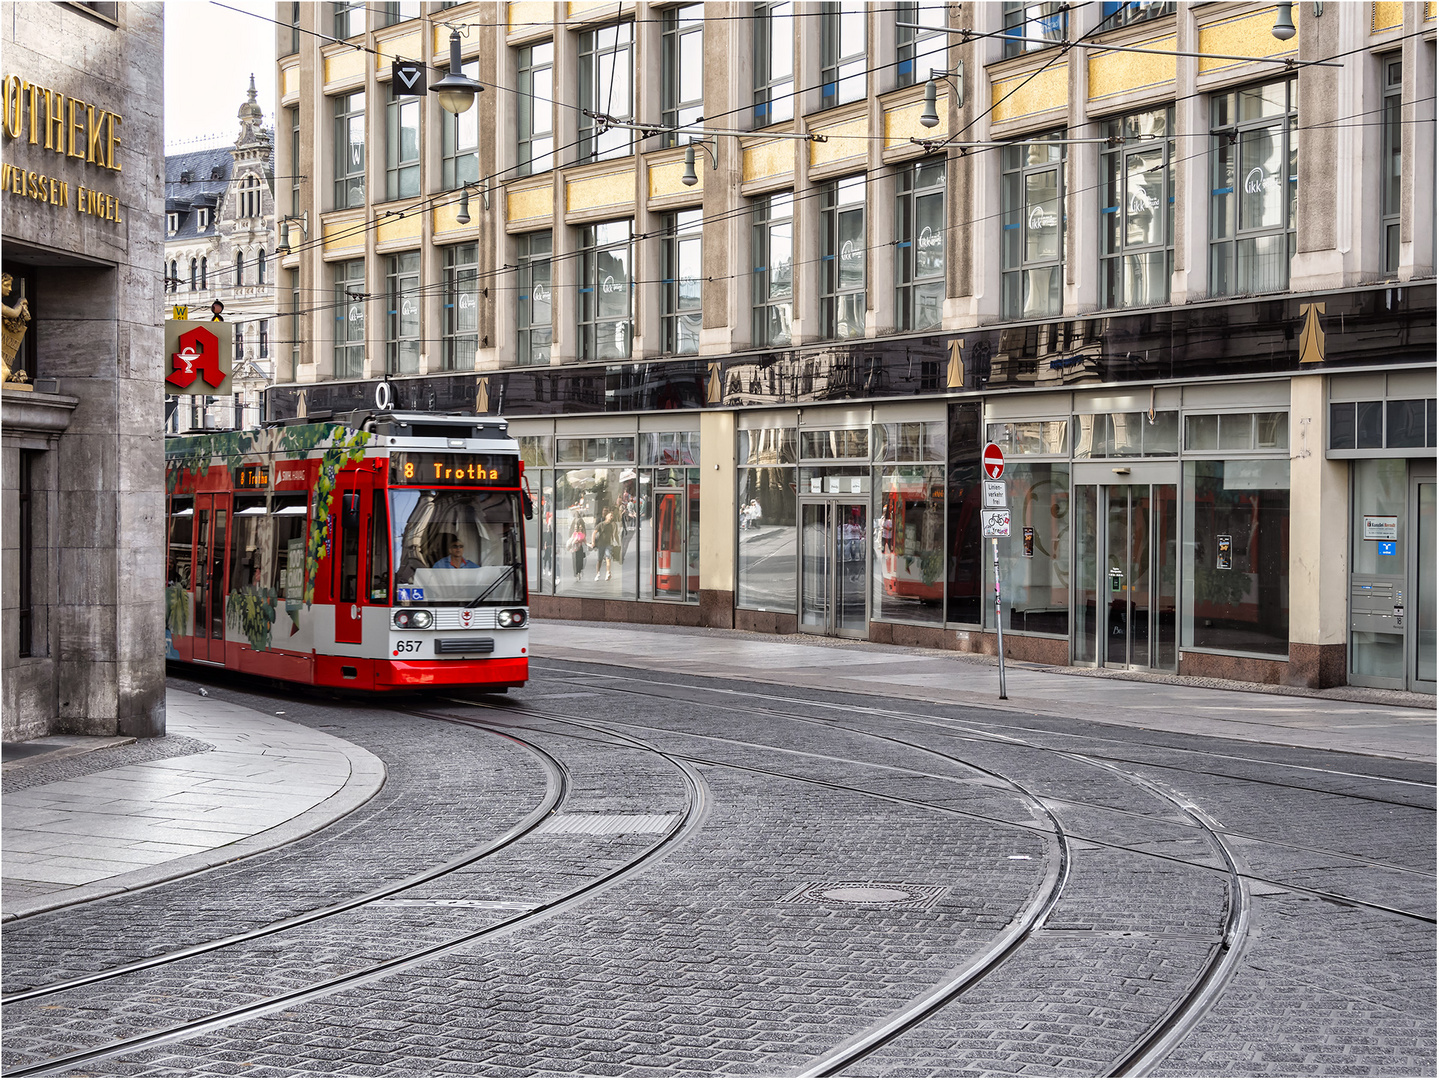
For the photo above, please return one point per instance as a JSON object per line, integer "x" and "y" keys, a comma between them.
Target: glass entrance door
{"x": 1125, "y": 602}
{"x": 1422, "y": 632}
{"x": 834, "y": 568}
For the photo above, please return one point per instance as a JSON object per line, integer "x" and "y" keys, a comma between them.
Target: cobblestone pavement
{"x": 1031, "y": 895}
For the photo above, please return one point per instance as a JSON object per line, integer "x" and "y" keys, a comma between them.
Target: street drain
{"x": 882, "y": 894}
{"x": 607, "y": 824}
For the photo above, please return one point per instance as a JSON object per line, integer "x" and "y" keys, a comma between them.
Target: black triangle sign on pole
{"x": 409, "y": 77}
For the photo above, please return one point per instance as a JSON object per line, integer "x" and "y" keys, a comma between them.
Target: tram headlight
{"x": 512, "y": 617}
{"x": 411, "y": 619}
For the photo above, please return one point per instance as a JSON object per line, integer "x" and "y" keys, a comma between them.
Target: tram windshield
{"x": 457, "y": 547}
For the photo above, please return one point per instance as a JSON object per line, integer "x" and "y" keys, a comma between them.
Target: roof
{"x": 194, "y": 179}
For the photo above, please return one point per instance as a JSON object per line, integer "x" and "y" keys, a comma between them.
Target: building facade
{"x": 755, "y": 307}
{"x": 83, "y": 464}
{"x": 220, "y": 245}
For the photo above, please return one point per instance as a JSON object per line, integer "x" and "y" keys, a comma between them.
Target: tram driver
{"x": 456, "y": 558}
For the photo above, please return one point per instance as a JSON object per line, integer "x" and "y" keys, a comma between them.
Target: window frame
{"x": 681, "y": 229}
{"x": 774, "y": 90}
{"x": 1231, "y": 137}
{"x": 1016, "y": 265}
{"x": 910, "y": 284}
{"x": 1391, "y": 161}
{"x": 1051, "y": 25}
{"x": 350, "y": 18}
{"x": 594, "y": 245}
{"x": 772, "y": 216}
{"x": 459, "y": 342}
{"x": 402, "y": 282}
{"x": 349, "y": 342}
{"x": 349, "y": 117}
{"x": 913, "y": 60}
{"x": 460, "y": 140}
{"x": 598, "y": 61}
{"x": 832, "y": 289}
{"x": 677, "y": 30}
{"x": 536, "y": 145}
{"x": 1114, "y": 175}
{"x": 533, "y": 253}
{"x": 843, "y": 75}
{"x": 1127, "y": 13}
{"x": 402, "y": 174}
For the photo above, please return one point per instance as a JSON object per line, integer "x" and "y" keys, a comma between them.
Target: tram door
{"x": 353, "y": 497}
{"x": 834, "y": 567}
{"x": 211, "y": 521}
{"x": 1125, "y": 603}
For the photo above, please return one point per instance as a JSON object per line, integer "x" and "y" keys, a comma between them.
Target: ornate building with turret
{"x": 219, "y": 245}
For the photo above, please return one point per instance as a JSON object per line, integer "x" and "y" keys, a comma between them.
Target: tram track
{"x": 685, "y": 824}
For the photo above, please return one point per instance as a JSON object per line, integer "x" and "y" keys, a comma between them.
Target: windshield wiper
{"x": 512, "y": 568}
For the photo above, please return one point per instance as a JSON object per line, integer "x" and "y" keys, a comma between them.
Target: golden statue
{"x": 16, "y": 322}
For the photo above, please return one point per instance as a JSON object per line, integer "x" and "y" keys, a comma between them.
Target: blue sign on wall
{"x": 1386, "y": 547}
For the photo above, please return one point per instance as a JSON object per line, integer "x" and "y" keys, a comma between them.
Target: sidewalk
{"x": 1354, "y": 720}
{"x": 262, "y": 783}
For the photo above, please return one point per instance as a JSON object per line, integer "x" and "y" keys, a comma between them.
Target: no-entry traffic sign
{"x": 993, "y": 461}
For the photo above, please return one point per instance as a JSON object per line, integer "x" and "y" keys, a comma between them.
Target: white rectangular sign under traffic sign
{"x": 995, "y": 522}
{"x": 994, "y": 496}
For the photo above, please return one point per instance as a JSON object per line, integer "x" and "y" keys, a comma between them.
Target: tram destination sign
{"x": 425, "y": 469}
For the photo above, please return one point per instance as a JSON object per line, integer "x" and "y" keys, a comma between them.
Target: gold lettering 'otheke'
{"x": 63, "y": 125}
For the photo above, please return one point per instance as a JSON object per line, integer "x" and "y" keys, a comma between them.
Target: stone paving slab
{"x": 265, "y": 782}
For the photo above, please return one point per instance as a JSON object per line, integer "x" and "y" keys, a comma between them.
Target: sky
{"x": 210, "y": 52}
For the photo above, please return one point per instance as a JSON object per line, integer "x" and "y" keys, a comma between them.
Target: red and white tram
{"x": 379, "y": 551}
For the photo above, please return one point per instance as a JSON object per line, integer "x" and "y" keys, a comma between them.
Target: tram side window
{"x": 288, "y": 540}
{"x": 249, "y": 562}
{"x": 349, "y": 548}
{"x": 379, "y": 552}
{"x": 181, "y": 543}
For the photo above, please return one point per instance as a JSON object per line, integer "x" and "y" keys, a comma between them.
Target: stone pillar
{"x": 1318, "y": 542}
{"x": 717, "y": 518}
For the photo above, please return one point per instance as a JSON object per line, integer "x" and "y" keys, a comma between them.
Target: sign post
{"x": 995, "y": 518}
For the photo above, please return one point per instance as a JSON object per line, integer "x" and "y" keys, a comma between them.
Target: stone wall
{"x": 98, "y": 663}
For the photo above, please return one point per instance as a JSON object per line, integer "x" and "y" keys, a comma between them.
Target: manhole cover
{"x": 883, "y": 894}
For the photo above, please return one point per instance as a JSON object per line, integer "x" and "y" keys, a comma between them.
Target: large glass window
{"x": 842, "y": 49}
{"x": 402, "y": 301}
{"x": 1236, "y": 556}
{"x": 1136, "y": 215}
{"x": 964, "y": 553}
{"x": 920, "y": 51}
{"x": 842, "y": 258}
{"x": 349, "y": 319}
{"x": 1034, "y": 563}
{"x": 461, "y": 307}
{"x": 1033, "y": 228}
{"x": 1029, "y": 26}
{"x": 1125, "y": 12}
{"x": 772, "y": 251}
{"x": 429, "y": 529}
{"x": 537, "y": 123}
{"x": 460, "y": 140}
{"x": 606, "y": 291}
{"x": 402, "y": 146}
{"x": 533, "y": 297}
{"x": 919, "y": 221}
{"x": 1254, "y": 186}
{"x": 607, "y": 89}
{"x": 293, "y": 21}
{"x": 773, "y": 63}
{"x": 350, "y": 150}
{"x": 683, "y": 278}
{"x": 1393, "y": 159}
{"x": 768, "y": 560}
{"x": 350, "y": 18}
{"x": 293, "y": 116}
{"x": 596, "y": 515}
{"x": 909, "y": 525}
{"x": 683, "y": 76}
{"x": 294, "y": 276}
{"x": 393, "y": 11}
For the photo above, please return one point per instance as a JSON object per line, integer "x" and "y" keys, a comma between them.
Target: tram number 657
{"x": 406, "y": 646}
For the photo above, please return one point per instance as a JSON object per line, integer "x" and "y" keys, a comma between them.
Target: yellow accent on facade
{"x": 665, "y": 176}
{"x": 344, "y": 237}
{"x": 525, "y": 16}
{"x": 1030, "y": 93}
{"x": 607, "y": 189}
{"x": 399, "y": 228}
{"x": 442, "y": 218}
{"x": 401, "y": 48}
{"x": 1430, "y": 11}
{"x": 1387, "y": 15}
{"x": 344, "y": 66}
{"x": 527, "y": 204}
{"x": 1248, "y": 35}
{"x": 902, "y": 122}
{"x": 1118, "y": 72}
{"x": 847, "y": 140}
{"x": 289, "y": 81}
{"x": 766, "y": 160}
